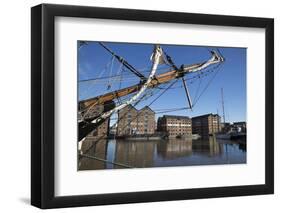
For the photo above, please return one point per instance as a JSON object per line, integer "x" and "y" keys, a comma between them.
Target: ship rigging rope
{"x": 130, "y": 75}
{"x": 117, "y": 77}
{"x": 165, "y": 90}
{"x": 198, "y": 76}
{"x": 105, "y": 161}
{"x": 145, "y": 96}
{"x": 109, "y": 80}
{"x": 196, "y": 97}
{"x": 190, "y": 80}
{"x": 161, "y": 111}
{"x": 115, "y": 124}
{"x": 194, "y": 78}
{"x": 164, "y": 111}
{"x": 110, "y": 74}
{"x": 208, "y": 84}
{"x": 156, "y": 60}
{"x": 199, "y": 85}
{"x": 106, "y": 66}
{"x": 138, "y": 113}
{"x": 91, "y": 84}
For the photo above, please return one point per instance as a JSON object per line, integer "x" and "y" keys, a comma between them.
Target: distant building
{"x": 146, "y": 121}
{"x": 174, "y": 126}
{"x": 127, "y": 121}
{"x": 135, "y": 122}
{"x": 206, "y": 125}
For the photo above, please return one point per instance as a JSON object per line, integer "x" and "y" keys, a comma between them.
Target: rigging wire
{"x": 106, "y": 66}
{"x": 200, "y": 75}
{"x": 197, "y": 95}
{"x": 198, "y": 88}
{"x": 165, "y": 111}
{"x": 172, "y": 110}
{"x": 118, "y": 78}
{"x": 163, "y": 92}
{"x": 196, "y": 77}
{"x": 91, "y": 84}
{"x": 208, "y": 84}
{"x": 124, "y": 62}
{"x": 138, "y": 113}
{"x": 110, "y": 74}
{"x": 117, "y": 75}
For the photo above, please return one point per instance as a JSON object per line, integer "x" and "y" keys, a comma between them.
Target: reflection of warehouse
{"x": 175, "y": 125}
{"x": 210, "y": 147}
{"x": 175, "y": 148}
{"x": 206, "y": 125}
{"x": 133, "y": 122}
{"x": 98, "y": 149}
{"x": 135, "y": 154}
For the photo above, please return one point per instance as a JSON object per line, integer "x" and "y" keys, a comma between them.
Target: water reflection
{"x": 175, "y": 148}
{"x": 177, "y": 152}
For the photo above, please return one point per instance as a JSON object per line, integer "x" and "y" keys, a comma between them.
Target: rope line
{"x": 106, "y": 161}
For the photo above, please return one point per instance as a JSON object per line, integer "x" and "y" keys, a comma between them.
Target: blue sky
{"x": 95, "y": 62}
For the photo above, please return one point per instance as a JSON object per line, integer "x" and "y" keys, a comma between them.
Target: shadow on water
{"x": 174, "y": 152}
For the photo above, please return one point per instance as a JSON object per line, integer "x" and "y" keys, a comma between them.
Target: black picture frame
{"x": 43, "y": 105}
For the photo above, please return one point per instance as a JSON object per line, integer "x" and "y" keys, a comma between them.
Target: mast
{"x": 222, "y": 102}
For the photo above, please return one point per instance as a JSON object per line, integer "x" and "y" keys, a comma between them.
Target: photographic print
{"x": 197, "y": 100}
{"x": 151, "y": 105}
